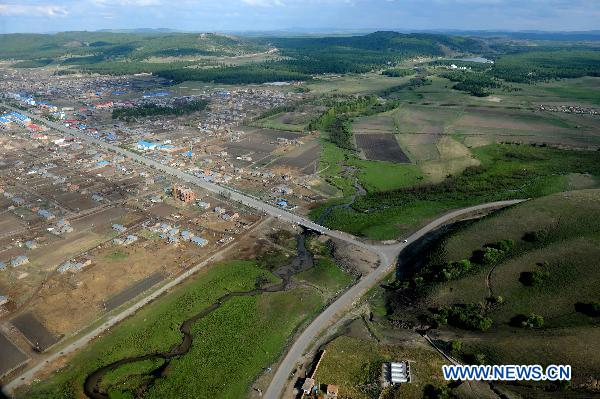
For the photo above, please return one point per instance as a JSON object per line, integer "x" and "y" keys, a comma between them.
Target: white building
{"x": 399, "y": 372}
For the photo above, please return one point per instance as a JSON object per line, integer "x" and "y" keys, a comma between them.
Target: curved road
{"x": 387, "y": 254}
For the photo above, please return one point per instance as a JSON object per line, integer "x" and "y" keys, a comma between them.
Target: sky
{"x": 267, "y": 15}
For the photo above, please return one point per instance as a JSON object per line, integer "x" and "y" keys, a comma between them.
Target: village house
{"x": 230, "y": 215}
{"x": 19, "y": 261}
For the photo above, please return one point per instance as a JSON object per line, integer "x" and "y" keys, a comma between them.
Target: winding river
{"x": 302, "y": 261}
{"x": 360, "y": 191}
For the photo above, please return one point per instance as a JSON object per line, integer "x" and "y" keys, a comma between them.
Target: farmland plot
{"x": 381, "y": 147}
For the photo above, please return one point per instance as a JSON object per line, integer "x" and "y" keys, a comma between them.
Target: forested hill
{"x": 295, "y": 59}
{"x": 111, "y": 45}
{"x": 387, "y": 41}
{"x": 212, "y": 57}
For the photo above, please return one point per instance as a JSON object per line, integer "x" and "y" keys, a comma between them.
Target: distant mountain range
{"x": 592, "y": 35}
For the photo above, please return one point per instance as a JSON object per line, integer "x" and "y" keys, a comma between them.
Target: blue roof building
{"x": 45, "y": 214}
{"x": 186, "y": 235}
{"x": 201, "y": 242}
{"x": 157, "y": 94}
{"x": 19, "y": 261}
{"x": 20, "y": 117}
{"x": 119, "y": 227}
{"x": 146, "y": 145}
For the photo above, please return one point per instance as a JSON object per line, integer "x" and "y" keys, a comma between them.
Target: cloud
{"x": 135, "y": 3}
{"x": 13, "y": 10}
{"x": 263, "y": 3}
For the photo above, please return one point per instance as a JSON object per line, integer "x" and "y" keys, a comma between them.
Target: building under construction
{"x": 184, "y": 194}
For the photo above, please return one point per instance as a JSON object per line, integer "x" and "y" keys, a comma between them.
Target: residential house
{"x": 201, "y": 242}
{"x": 19, "y": 261}
{"x": 119, "y": 227}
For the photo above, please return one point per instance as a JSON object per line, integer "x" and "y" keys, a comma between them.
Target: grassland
{"x": 232, "y": 344}
{"x": 506, "y": 172}
{"x": 326, "y": 274}
{"x": 384, "y": 176}
{"x": 363, "y": 84}
{"x": 566, "y": 251}
{"x": 355, "y": 366}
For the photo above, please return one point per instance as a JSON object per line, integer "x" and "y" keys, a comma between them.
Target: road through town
{"x": 29, "y": 375}
{"x": 387, "y": 253}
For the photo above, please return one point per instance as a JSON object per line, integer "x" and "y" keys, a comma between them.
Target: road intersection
{"x": 387, "y": 253}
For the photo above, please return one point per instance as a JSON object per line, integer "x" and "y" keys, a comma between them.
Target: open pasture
{"x": 566, "y": 251}
{"x": 294, "y": 121}
{"x": 363, "y": 84}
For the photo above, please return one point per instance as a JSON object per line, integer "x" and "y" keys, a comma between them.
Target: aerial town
{"x": 72, "y": 211}
{"x": 327, "y": 214}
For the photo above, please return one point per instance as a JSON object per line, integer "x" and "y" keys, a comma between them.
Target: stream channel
{"x": 303, "y": 261}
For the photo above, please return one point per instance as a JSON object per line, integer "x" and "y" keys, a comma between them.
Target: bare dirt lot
{"x": 381, "y": 147}
{"x": 9, "y": 223}
{"x": 34, "y": 331}
{"x": 134, "y": 290}
{"x": 10, "y": 355}
{"x": 304, "y": 158}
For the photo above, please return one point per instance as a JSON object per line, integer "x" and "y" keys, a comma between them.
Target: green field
{"x": 232, "y": 344}
{"x": 235, "y": 343}
{"x": 564, "y": 252}
{"x": 326, "y": 274}
{"x": 506, "y": 172}
{"x": 377, "y": 176}
{"x": 355, "y": 366}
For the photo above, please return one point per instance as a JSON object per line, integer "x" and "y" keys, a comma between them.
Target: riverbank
{"x": 216, "y": 333}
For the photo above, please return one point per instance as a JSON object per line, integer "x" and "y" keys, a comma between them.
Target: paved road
{"x": 348, "y": 299}
{"x": 387, "y": 253}
{"x": 233, "y": 194}
{"x": 28, "y": 376}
